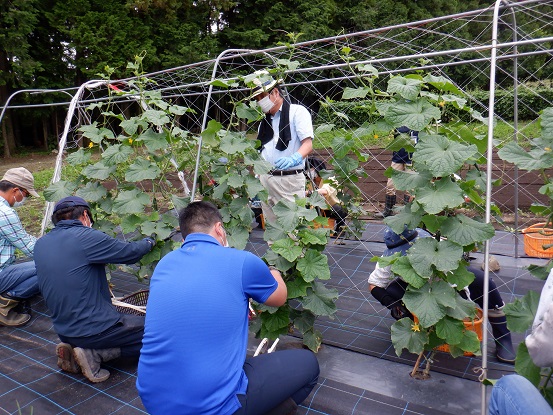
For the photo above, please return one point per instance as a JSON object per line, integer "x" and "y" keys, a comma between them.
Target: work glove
{"x": 284, "y": 163}
{"x": 399, "y": 311}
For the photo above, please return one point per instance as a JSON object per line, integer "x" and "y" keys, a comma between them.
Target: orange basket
{"x": 535, "y": 237}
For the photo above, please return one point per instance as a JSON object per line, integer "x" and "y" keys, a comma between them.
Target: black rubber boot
{"x": 388, "y": 208}
{"x": 503, "y": 343}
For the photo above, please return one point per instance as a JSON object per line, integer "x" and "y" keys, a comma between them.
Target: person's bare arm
{"x": 278, "y": 297}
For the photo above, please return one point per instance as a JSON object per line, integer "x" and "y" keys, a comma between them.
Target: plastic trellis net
{"x": 456, "y": 47}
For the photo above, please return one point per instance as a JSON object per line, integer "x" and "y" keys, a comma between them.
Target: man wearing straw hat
{"x": 17, "y": 281}
{"x": 70, "y": 262}
{"x": 286, "y": 136}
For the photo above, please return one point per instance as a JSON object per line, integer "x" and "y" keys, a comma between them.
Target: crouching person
{"x": 389, "y": 291}
{"x": 70, "y": 262}
{"x": 194, "y": 356}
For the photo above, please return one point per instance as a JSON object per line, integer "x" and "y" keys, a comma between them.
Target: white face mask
{"x": 225, "y": 242}
{"x": 20, "y": 203}
{"x": 265, "y": 104}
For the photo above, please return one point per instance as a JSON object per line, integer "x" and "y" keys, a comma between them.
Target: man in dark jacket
{"x": 70, "y": 262}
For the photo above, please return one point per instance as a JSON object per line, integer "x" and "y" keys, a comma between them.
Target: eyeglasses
{"x": 25, "y": 192}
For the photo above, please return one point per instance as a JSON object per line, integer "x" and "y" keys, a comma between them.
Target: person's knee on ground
{"x": 90, "y": 361}
{"x": 8, "y": 315}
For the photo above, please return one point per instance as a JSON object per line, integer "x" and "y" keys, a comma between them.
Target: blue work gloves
{"x": 284, "y": 163}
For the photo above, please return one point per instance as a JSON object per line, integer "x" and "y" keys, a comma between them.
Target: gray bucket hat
{"x": 21, "y": 177}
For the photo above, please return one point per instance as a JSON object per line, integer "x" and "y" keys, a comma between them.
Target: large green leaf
{"x": 130, "y": 201}
{"x": 310, "y": 236}
{"x": 465, "y": 231}
{"x": 429, "y": 302}
{"x": 313, "y": 339}
{"x": 521, "y": 312}
{"x": 274, "y": 231}
{"x": 314, "y": 265}
{"x": 253, "y": 186}
{"x": 209, "y": 135}
{"x": 130, "y": 223}
{"x": 450, "y": 329}
{"x": 462, "y": 309}
{"x": 98, "y": 171}
{"x": 408, "y": 335}
{"x": 59, "y": 190}
{"x": 304, "y": 322}
{"x": 525, "y": 366}
{"x": 238, "y": 236}
{"x": 78, "y": 157}
{"x": 442, "y": 194}
{"x": 142, "y": 169}
{"x": 297, "y": 288}
{"x": 427, "y": 252}
{"x": 289, "y": 249}
{"x": 155, "y": 117}
{"x": 461, "y": 277}
{"x": 403, "y": 267}
{"x": 469, "y": 343}
{"x": 277, "y": 320}
{"x": 153, "y": 140}
{"x": 406, "y": 87}
{"x": 92, "y": 192}
{"x": 235, "y": 181}
{"x": 159, "y": 228}
{"x": 536, "y": 159}
{"x": 247, "y": 112}
{"x": 260, "y": 166}
{"x": 95, "y": 134}
{"x": 442, "y": 83}
{"x": 233, "y": 143}
{"x": 407, "y": 181}
{"x": 240, "y": 208}
{"x": 442, "y": 156}
{"x": 116, "y": 153}
{"x": 320, "y": 300}
{"x": 546, "y": 123}
{"x": 289, "y": 214}
{"x": 406, "y": 217}
{"x": 352, "y": 93}
{"x": 415, "y": 115}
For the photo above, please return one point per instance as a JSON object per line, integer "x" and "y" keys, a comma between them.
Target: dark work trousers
{"x": 339, "y": 213}
{"x": 126, "y": 334}
{"x": 275, "y": 377}
{"x": 397, "y": 288}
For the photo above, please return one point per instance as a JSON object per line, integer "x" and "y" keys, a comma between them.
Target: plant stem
{"x": 417, "y": 363}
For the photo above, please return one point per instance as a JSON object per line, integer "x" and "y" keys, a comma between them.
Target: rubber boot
{"x": 503, "y": 343}
{"x": 288, "y": 407}
{"x": 90, "y": 360}
{"x": 66, "y": 360}
{"x": 389, "y": 207}
{"x": 406, "y": 198}
{"x": 8, "y": 316}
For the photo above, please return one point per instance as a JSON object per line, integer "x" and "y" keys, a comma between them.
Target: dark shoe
{"x": 503, "y": 343}
{"x": 89, "y": 360}
{"x": 66, "y": 360}
{"x": 288, "y": 407}
{"x": 8, "y": 316}
{"x": 406, "y": 198}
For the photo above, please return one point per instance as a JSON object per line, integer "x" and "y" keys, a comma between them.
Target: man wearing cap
{"x": 17, "y": 281}
{"x": 286, "y": 136}
{"x": 389, "y": 290}
{"x": 70, "y": 262}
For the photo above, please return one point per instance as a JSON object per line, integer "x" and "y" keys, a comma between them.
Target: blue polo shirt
{"x": 196, "y": 331}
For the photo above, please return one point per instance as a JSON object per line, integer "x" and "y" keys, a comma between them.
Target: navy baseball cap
{"x": 71, "y": 201}
{"x": 400, "y": 242}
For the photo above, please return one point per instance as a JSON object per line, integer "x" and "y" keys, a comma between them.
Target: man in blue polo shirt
{"x": 193, "y": 358}
{"x": 70, "y": 262}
